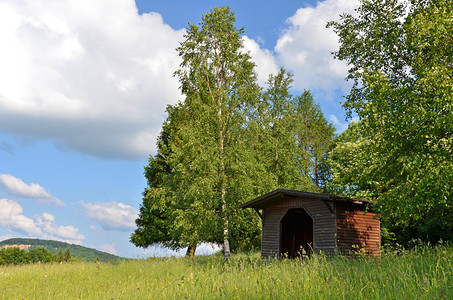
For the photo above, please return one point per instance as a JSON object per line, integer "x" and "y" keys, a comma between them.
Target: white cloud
{"x": 207, "y": 249}
{"x": 341, "y": 126}
{"x": 95, "y": 76}
{"x": 12, "y": 219}
{"x": 109, "y": 248}
{"x": 111, "y": 215}
{"x": 5, "y": 237}
{"x": 305, "y": 47}
{"x": 263, "y": 58}
{"x": 17, "y": 187}
{"x": 47, "y": 222}
{"x": 157, "y": 250}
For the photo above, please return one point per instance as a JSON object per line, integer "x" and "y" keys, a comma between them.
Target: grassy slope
{"x": 77, "y": 251}
{"x": 422, "y": 274}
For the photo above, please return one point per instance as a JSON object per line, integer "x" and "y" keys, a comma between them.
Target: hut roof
{"x": 274, "y": 196}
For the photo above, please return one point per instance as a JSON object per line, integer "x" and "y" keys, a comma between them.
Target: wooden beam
{"x": 328, "y": 206}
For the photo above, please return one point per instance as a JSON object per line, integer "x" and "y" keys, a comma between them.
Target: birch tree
{"x": 218, "y": 79}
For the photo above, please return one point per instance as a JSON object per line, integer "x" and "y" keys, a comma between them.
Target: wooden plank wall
{"x": 357, "y": 231}
{"x": 323, "y": 214}
{"x": 270, "y": 239}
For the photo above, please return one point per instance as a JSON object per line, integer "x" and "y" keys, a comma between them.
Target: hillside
{"x": 79, "y": 252}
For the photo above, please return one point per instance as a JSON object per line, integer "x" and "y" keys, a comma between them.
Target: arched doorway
{"x": 296, "y": 233}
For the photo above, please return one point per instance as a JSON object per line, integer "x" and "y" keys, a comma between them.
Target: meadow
{"x": 423, "y": 273}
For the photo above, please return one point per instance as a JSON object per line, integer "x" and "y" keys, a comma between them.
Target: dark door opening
{"x": 296, "y": 235}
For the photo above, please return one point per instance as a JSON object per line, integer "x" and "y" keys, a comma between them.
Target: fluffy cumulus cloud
{"x": 109, "y": 248}
{"x": 46, "y": 221}
{"x": 157, "y": 250}
{"x": 111, "y": 215}
{"x": 341, "y": 126}
{"x": 5, "y": 237}
{"x": 12, "y": 218}
{"x": 17, "y": 187}
{"x": 43, "y": 226}
{"x": 305, "y": 47}
{"x": 95, "y": 76}
{"x": 263, "y": 58}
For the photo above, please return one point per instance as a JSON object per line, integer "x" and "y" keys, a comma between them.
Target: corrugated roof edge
{"x": 255, "y": 202}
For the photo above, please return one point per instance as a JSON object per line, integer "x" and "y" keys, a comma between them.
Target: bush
{"x": 435, "y": 230}
{"x": 14, "y": 256}
{"x": 17, "y": 256}
{"x": 40, "y": 254}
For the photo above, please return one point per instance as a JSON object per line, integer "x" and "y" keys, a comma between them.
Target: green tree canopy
{"x": 226, "y": 143}
{"x": 205, "y": 151}
{"x": 293, "y": 135}
{"x": 157, "y": 212}
{"x": 14, "y": 255}
{"x": 401, "y": 63}
{"x": 40, "y": 255}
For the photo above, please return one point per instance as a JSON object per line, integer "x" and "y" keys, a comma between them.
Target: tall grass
{"x": 425, "y": 273}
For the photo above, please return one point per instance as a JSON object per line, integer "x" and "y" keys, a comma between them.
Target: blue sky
{"x": 83, "y": 90}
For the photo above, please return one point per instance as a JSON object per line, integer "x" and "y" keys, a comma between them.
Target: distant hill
{"x": 79, "y": 252}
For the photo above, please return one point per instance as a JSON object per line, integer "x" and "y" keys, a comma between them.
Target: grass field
{"x": 424, "y": 273}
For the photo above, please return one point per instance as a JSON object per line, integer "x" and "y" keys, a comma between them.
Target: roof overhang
{"x": 279, "y": 194}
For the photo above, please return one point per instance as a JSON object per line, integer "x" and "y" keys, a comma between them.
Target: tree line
{"x": 230, "y": 141}
{"x": 16, "y": 256}
{"x": 77, "y": 251}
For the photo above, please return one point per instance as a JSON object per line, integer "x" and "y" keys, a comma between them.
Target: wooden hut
{"x": 324, "y": 223}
